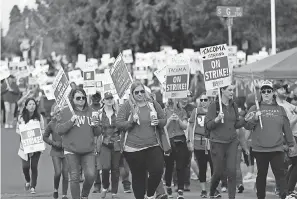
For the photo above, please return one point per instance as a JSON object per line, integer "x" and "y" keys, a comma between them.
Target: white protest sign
{"x": 216, "y": 70}
{"x": 75, "y": 76}
{"x": 48, "y": 91}
{"x": 127, "y": 56}
{"x": 31, "y": 137}
{"x": 13, "y": 67}
{"x": 160, "y": 60}
{"x": 177, "y": 77}
{"x": 16, "y": 59}
{"x": 141, "y": 72}
{"x": 4, "y": 71}
{"x": 89, "y": 82}
{"x": 139, "y": 59}
{"x": 81, "y": 58}
{"x": 232, "y": 56}
{"x": 161, "y": 76}
{"x": 241, "y": 58}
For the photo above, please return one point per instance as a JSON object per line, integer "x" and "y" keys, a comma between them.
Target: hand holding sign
{"x": 219, "y": 117}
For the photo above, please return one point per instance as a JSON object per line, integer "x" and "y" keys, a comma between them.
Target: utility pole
{"x": 273, "y": 31}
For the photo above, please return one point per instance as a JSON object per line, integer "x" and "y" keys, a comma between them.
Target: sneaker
{"x": 169, "y": 192}
{"x": 84, "y": 197}
{"x": 194, "y": 177}
{"x": 187, "y": 188}
{"x": 292, "y": 195}
{"x": 64, "y": 197}
{"x": 223, "y": 189}
{"x": 180, "y": 194}
{"x": 248, "y": 176}
{"x": 103, "y": 193}
{"x": 27, "y": 186}
{"x": 162, "y": 196}
{"x": 114, "y": 196}
{"x": 127, "y": 191}
{"x": 216, "y": 195}
{"x": 240, "y": 188}
{"x": 6, "y": 126}
{"x": 203, "y": 194}
{"x": 97, "y": 190}
{"x": 55, "y": 195}
{"x": 32, "y": 191}
{"x": 11, "y": 126}
{"x": 276, "y": 191}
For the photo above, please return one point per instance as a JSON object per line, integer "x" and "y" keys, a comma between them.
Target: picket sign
{"x": 31, "y": 137}
{"x": 4, "y": 71}
{"x": 61, "y": 89}
{"x": 216, "y": 69}
{"x": 48, "y": 91}
{"x": 120, "y": 76}
{"x": 177, "y": 77}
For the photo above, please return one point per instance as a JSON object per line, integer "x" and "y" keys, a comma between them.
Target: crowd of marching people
{"x": 161, "y": 143}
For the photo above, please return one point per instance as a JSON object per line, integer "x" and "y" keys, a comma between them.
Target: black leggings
{"x": 141, "y": 163}
{"x": 33, "y": 164}
{"x": 202, "y": 160}
{"x": 60, "y": 167}
{"x": 180, "y": 154}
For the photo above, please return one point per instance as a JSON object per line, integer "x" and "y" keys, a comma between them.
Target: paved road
{"x": 12, "y": 179}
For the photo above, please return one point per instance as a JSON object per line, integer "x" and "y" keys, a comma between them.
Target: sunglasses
{"x": 203, "y": 100}
{"x": 137, "y": 92}
{"x": 80, "y": 98}
{"x": 268, "y": 91}
{"x": 109, "y": 98}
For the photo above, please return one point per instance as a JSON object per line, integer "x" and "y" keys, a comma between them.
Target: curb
{"x": 25, "y": 196}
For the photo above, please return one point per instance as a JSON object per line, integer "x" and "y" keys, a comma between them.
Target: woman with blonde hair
{"x": 142, "y": 120}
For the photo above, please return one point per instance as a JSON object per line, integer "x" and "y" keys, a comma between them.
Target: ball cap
{"x": 108, "y": 95}
{"x": 267, "y": 84}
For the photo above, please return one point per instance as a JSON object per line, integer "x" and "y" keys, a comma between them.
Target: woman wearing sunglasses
{"x": 267, "y": 142}
{"x": 224, "y": 139}
{"x": 142, "y": 120}
{"x": 198, "y": 142}
{"x": 78, "y": 132}
{"x": 176, "y": 126}
{"x": 110, "y": 154}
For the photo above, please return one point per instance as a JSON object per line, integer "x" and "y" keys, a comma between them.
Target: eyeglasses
{"x": 80, "y": 98}
{"x": 137, "y": 92}
{"x": 109, "y": 98}
{"x": 268, "y": 91}
{"x": 203, "y": 100}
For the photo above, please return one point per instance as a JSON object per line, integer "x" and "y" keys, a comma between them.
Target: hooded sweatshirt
{"x": 76, "y": 139}
{"x": 275, "y": 126}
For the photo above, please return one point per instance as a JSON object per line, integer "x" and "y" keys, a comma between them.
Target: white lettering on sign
{"x": 31, "y": 133}
{"x": 175, "y": 87}
{"x": 177, "y": 79}
{"x": 215, "y": 64}
{"x": 31, "y": 141}
{"x": 228, "y": 11}
{"x": 219, "y": 73}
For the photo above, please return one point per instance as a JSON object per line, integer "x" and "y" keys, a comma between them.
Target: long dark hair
{"x": 25, "y": 113}
{"x": 73, "y": 92}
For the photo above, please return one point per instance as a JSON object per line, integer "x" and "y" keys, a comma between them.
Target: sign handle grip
{"x": 220, "y": 103}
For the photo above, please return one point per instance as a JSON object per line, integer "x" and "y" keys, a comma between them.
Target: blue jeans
{"x": 87, "y": 162}
{"x": 61, "y": 168}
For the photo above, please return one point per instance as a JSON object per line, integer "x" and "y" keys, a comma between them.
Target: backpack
{"x": 207, "y": 131}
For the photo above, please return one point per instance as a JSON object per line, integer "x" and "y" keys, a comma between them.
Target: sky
{"x": 6, "y": 6}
